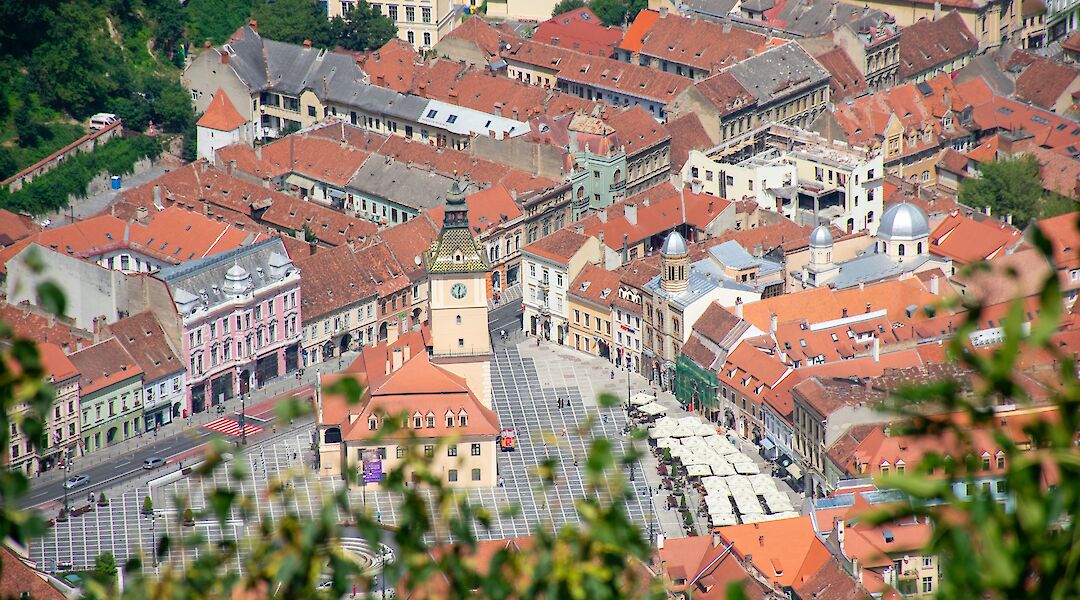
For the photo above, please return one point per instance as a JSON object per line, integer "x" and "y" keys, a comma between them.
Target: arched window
{"x": 332, "y": 435}
{"x": 900, "y": 250}
{"x": 918, "y": 248}
{"x": 457, "y": 319}
{"x": 373, "y": 423}
{"x": 870, "y": 217}
{"x": 618, "y": 175}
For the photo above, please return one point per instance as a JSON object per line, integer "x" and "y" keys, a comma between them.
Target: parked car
{"x": 102, "y": 120}
{"x": 153, "y": 463}
{"x": 76, "y": 481}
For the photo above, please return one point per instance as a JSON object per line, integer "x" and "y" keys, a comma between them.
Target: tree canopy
{"x": 299, "y": 21}
{"x": 616, "y": 13}
{"x": 565, "y": 6}
{"x": 1013, "y": 186}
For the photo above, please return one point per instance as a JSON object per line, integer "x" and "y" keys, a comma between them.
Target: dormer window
{"x": 885, "y": 468}
{"x": 449, "y": 420}
{"x": 373, "y": 423}
{"x": 986, "y": 461}
{"x": 431, "y": 421}
{"x": 417, "y": 421}
{"x": 463, "y": 419}
{"x": 1000, "y": 459}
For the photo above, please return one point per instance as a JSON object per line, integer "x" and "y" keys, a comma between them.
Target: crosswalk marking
{"x": 229, "y": 426}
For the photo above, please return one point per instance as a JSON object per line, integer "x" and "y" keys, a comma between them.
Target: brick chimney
{"x": 307, "y": 43}
{"x": 224, "y": 57}
{"x": 398, "y": 356}
{"x": 254, "y": 25}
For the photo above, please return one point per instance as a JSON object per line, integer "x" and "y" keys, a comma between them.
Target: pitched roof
{"x": 104, "y": 364}
{"x": 829, "y": 581}
{"x": 408, "y": 241}
{"x": 777, "y": 72}
{"x": 145, "y": 341}
{"x": 14, "y": 227}
{"x": 27, "y": 322}
{"x": 926, "y": 43}
{"x": 717, "y": 324}
{"x": 488, "y": 209}
{"x": 724, "y": 92}
{"x": 1058, "y": 173}
{"x": 579, "y": 29}
{"x": 1008, "y": 276}
{"x": 332, "y": 279}
{"x": 1072, "y": 43}
{"x": 481, "y": 33}
{"x": 823, "y": 304}
{"x": 595, "y": 284}
{"x": 1047, "y": 129}
{"x": 1041, "y": 80}
{"x": 653, "y": 217}
{"x": 559, "y": 247}
{"x": 221, "y": 114}
{"x": 638, "y": 131}
{"x": 55, "y": 363}
{"x": 967, "y": 239}
{"x": 845, "y": 80}
{"x": 17, "y": 578}
{"x": 314, "y": 156}
{"x": 700, "y": 43}
{"x": 780, "y": 550}
{"x": 687, "y": 133}
{"x": 635, "y": 34}
{"x": 1063, "y": 231}
{"x": 393, "y": 66}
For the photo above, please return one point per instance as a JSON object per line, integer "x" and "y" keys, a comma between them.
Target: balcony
{"x": 618, "y": 186}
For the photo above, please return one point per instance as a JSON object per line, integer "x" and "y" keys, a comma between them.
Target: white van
{"x": 102, "y": 120}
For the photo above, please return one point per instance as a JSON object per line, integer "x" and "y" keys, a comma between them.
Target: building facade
{"x": 241, "y": 321}
{"x": 110, "y": 392}
{"x": 62, "y": 426}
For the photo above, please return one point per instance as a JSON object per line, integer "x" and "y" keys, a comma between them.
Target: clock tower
{"x": 457, "y": 271}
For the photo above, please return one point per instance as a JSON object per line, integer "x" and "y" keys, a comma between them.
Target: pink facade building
{"x": 241, "y": 320}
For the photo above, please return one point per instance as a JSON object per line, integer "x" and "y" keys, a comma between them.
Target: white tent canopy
{"x": 652, "y": 409}
{"x": 641, "y": 399}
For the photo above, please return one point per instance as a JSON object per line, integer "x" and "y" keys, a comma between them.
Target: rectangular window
{"x": 451, "y": 475}
{"x": 410, "y": 14}
{"x": 429, "y": 450}
{"x": 400, "y": 452}
{"x": 474, "y": 450}
{"x": 451, "y": 450}
{"x": 476, "y": 474}
{"x": 425, "y": 14}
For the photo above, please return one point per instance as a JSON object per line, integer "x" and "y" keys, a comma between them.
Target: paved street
{"x": 507, "y": 313}
{"x": 526, "y": 394}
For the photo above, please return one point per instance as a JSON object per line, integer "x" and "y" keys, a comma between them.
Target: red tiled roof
{"x": 1072, "y": 43}
{"x": 700, "y": 43}
{"x": 145, "y": 340}
{"x": 687, "y": 133}
{"x": 637, "y": 31}
{"x": 607, "y": 73}
{"x": 829, "y": 581}
{"x": 393, "y": 66}
{"x": 864, "y": 120}
{"x": 25, "y": 322}
{"x": 487, "y": 38}
{"x": 845, "y": 80}
{"x": 559, "y": 247}
{"x": 55, "y": 363}
{"x": 638, "y": 131}
{"x": 657, "y": 217}
{"x": 968, "y": 240}
{"x": 724, "y": 92}
{"x": 221, "y": 114}
{"x": 488, "y": 208}
{"x": 596, "y": 284}
{"x": 779, "y": 550}
{"x": 1042, "y": 81}
{"x": 991, "y": 113}
{"x": 104, "y": 364}
{"x": 333, "y": 279}
{"x": 1058, "y": 173}
{"x": 928, "y": 43}
{"x": 580, "y": 30}
{"x": 14, "y": 227}
{"x": 17, "y": 578}
{"x": 317, "y": 157}
{"x": 1063, "y": 231}
{"x": 409, "y": 240}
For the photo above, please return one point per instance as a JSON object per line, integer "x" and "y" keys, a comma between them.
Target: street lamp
{"x": 67, "y": 472}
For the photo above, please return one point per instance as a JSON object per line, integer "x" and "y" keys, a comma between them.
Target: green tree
{"x": 215, "y": 20}
{"x": 364, "y": 29}
{"x": 565, "y": 6}
{"x": 293, "y": 21}
{"x": 105, "y": 569}
{"x": 28, "y": 124}
{"x": 1013, "y": 186}
{"x": 616, "y": 13}
{"x": 1029, "y": 548}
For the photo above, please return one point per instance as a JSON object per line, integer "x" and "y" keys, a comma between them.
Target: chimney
{"x": 630, "y": 212}
{"x": 388, "y": 366}
{"x": 877, "y": 349}
{"x": 258, "y": 152}
{"x": 231, "y": 167}
{"x": 602, "y": 215}
{"x": 934, "y": 285}
{"x": 937, "y": 9}
{"x": 407, "y": 353}
{"x": 224, "y": 57}
{"x": 988, "y": 211}
{"x": 157, "y": 197}
{"x": 840, "y": 525}
{"x": 142, "y": 214}
{"x": 761, "y": 541}
{"x": 663, "y": 11}
{"x": 1008, "y": 218}
{"x": 696, "y": 186}
{"x": 397, "y": 358}
{"x": 773, "y": 319}
{"x": 307, "y": 43}
{"x": 579, "y": 229}
{"x": 254, "y": 25}
{"x": 738, "y": 308}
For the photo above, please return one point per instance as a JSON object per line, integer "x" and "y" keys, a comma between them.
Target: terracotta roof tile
{"x": 845, "y": 80}
{"x": 638, "y": 131}
{"x": 595, "y": 284}
{"x": 657, "y": 217}
{"x": 145, "y": 341}
{"x": 580, "y": 30}
{"x": 687, "y": 133}
{"x": 995, "y": 113}
{"x": 221, "y": 114}
{"x": 27, "y": 322}
{"x": 14, "y": 227}
{"x": 780, "y": 550}
{"x": 486, "y": 37}
{"x": 560, "y": 246}
{"x": 1063, "y": 232}
{"x": 643, "y": 22}
{"x": 927, "y": 43}
{"x": 724, "y": 92}
{"x": 333, "y": 279}
{"x": 393, "y": 66}
{"x": 700, "y": 43}
{"x": 55, "y": 363}
{"x": 104, "y": 364}
{"x": 830, "y": 581}
{"x": 967, "y": 240}
{"x": 488, "y": 208}
{"x": 1041, "y": 81}
{"x": 17, "y": 578}
{"x": 1072, "y": 43}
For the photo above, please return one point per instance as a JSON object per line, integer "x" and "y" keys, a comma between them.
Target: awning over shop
{"x": 766, "y": 443}
{"x": 794, "y": 471}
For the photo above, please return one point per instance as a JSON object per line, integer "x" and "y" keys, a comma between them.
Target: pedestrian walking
{"x": 613, "y": 373}
{"x": 560, "y": 403}
{"x": 545, "y": 449}
{"x": 538, "y": 341}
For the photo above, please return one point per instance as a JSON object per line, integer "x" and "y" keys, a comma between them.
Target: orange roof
{"x": 596, "y": 284}
{"x": 967, "y": 240}
{"x": 580, "y": 30}
{"x": 755, "y": 372}
{"x": 559, "y": 247}
{"x": 488, "y": 209}
{"x": 221, "y": 114}
{"x": 781, "y": 550}
{"x": 824, "y": 304}
{"x": 635, "y": 34}
{"x": 654, "y": 217}
{"x": 1064, "y": 233}
{"x": 56, "y": 363}
{"x": 14, "y": 227}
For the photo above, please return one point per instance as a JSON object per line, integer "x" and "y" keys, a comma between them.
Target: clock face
{"x": 458, "y": 290}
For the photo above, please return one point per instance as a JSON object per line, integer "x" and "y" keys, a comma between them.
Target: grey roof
{"x": 874, "y": 267}
{"x": 732, "y": 255}
{"x": 903, "y": 221}
{"x": 705, "y": 276}
{"x": 289, "y": 68}
{"x": 778, "y": 72}
{"x": 396, "y": 181}
{"x": 757, "y": 5}
{"x": 210, "y": 281}
{"x": 267, "y": 65}
{"x": 468, "y": 121}
{"x": 674, "y": 245}
{"x": 986, "y": 67}
{"x": 820, "y": 237}
{"x": 710, "y": 8}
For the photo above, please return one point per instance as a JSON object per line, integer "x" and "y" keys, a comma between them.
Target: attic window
{"x": 451, "y": 119}
{"x": 585, "y": 285}
{"x": 373, "y": 423}
{"x": 417, "y": 421}
{"x": 463, "y": 419}
{"x": 888, "y": 536}
{"x": 431, "y": 113}
{"x": 431, "y": 421}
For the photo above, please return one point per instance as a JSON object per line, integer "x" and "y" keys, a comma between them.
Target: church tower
{"x": 457, "y": 271}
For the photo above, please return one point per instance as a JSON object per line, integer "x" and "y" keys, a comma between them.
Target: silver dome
{"x": 820, "y": 237}
{"x": 903, "y": 221}
{"x": 674, "y": 245}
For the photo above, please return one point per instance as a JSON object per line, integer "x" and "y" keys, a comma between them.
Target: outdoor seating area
{"x": 694, "y": 455}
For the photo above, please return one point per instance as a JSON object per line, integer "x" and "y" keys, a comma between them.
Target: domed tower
{"x": 674, "y": 263}
{"x": 821, "y": 246}
{"x": 904, "y": 231}
{"x": 237, "y": 281}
